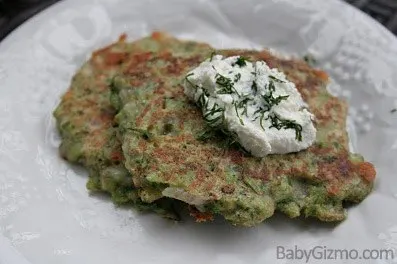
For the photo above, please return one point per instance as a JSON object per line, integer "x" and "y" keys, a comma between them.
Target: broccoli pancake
{"x": 85, "y": 118}
{"x": 170, "y": 152}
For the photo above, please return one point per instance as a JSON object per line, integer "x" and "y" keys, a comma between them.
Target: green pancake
{"x": 85, "y": 120}
{"x": 170, "y": 152}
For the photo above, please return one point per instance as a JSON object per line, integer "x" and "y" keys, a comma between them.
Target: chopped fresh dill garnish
{"x": 225, "y": 83}
{"x": 261, "y": 120}
{"x": 276, "y": 79}
{"x": 214, "y": 110}
{"x": 272, "y": 87}
{"x": 268, "y": 102}
{"x": 310, "y": 59}
{"x": 187, "y": 79}
{"x": 272, "y": 101}
{"x": 212, "y": 55}
{"x": 202, "y": 102}
{"x": 269, "y": 99}
{"x": 278, "y": 99}
{"x": 254, "y": 87}
{"x": 241, "y": 61}
{"x": 244, "y": 105}
{"x": 237, "y": 77}
{"x": 238, "y": 115}
{"x": 255, "y": 104}
{"x": 231, "y": 140}
{"x": 262, "y": 112}
{"x": 280, "y": 123}
{"x": 208, "y": 114}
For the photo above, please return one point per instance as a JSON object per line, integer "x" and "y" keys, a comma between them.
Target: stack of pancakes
{"x": 127, "y": 120}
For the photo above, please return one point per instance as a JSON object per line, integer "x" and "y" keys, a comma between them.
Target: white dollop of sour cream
{"x": 255, "y": 103}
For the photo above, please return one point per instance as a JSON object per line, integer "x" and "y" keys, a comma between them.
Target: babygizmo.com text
{"x": 326, "y": 253}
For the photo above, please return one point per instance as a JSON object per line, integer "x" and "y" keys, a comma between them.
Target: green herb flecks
{"x": 243, "y": 104}
{"x": 271, "y": 86}
{"x": 231, "y": 140}
{"x": 203, "y": 101}
{"x": 237, "y": 77}
{"x": 210, "y": 114}
{"x": 226, "y": 85}
{"x": 190, "y": 74}
{"x": 190, "y": 82}
{"x": 241, "y": 61}
{"x": 272, "y": 101}
{"x": 276, "y": 79}
{"x": 280, "y": 123}
{"x": 238, "y": 115}
{"x": 205, "y": 91}
{"x": 212, "y": 55}
{"x": 215, "y": 116}
{"x": 261, "y": 120}
{"x": 269, "y": 99}
{"x": 254, "y": 87}
{"x": 310, "y": 59}
{"x": 260, "y": 113}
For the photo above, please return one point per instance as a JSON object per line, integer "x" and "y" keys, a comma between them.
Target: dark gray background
{"x": 15, "y": 12}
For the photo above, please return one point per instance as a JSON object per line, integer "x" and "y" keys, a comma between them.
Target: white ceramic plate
{"x": 46, "y": 214}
